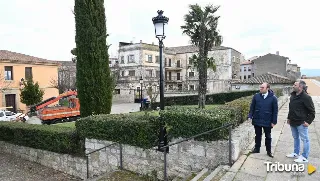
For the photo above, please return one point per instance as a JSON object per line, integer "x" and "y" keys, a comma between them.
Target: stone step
{"x": 200, "y": 174}
{"x": 218, "y": 172}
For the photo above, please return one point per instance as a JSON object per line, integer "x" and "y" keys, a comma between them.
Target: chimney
{"x": 140, "y": 41}
{"x": 277, "y": 52}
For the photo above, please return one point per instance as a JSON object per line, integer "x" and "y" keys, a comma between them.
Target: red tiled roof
{"x": 6, "y": 55}
{"x": 267, "y": 77}
{"x": 246, "y": 63}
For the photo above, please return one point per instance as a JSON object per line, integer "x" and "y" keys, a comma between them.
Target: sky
{"x": 46, "y": 28}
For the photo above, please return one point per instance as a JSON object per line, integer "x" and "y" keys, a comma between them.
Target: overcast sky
{"x": 46, "y": 29}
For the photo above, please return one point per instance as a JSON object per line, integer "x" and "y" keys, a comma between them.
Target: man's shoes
{"x": 270, "y": 154}
{"x": 292, "y": 155}
{"x": 301, "y": 159}
{"x": 255, "y": 150}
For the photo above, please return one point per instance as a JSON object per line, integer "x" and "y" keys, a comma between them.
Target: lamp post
{"x": 160, "y": 22}
{"x": 141, "y": 84}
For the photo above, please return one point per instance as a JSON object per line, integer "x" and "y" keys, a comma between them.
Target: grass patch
{"x": 67, "y": 124}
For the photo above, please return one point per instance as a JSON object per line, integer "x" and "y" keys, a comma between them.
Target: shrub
{"x": 242, "y": 104}
{"x": 278, "y": 92}
{"x": 51, "y": 138}
{"x": 220, "y": 98}
{"x": 187, "y": 121}
{"x": 140, "y": 130}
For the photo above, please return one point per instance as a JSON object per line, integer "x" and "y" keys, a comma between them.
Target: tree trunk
{"x": 94, "y": 81}
{"x": 202, "y": 70}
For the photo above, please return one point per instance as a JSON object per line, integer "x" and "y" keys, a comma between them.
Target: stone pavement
{"x": 253, "y": 167}
{"x": 17, "y": 169}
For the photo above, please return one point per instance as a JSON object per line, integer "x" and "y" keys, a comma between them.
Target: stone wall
{"x": 63, "y": 162}
{"x": 182, "y": 158}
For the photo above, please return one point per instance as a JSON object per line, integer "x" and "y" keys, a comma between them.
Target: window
{"x": 157, "y": 59}
{"x": 249, "y": 69}
{"x": 249, "y": 76}
{"x": 233, "y": 59}
{"x": 122, "y": 60}
{"x": 240, "y": 69}
{"x": 240, "y": 77}
{"x": 110, "y": 62}
{"x": 190, "y": 62}
{"x": 191, "y": 87}
{"x": 8, "y": 72}
{"x": 1, "y": 114}
{"x": 149, "y": 58}
{"x": 149, "y": 73}
{"x": 131, "y": 59}
{"x": 122, "y": 73}
{"x": 179, "y": 87}
{"x": 191, "y": 74}
{"x": 252, "y": 74}
{"x": 178, "y": 63}
{"x": 244, "y": 77}
{"x": 244, "y": 69}
{"x": 132, "y": 73}
{"x": 178, "y": 76}
{"x": 28, "y": 73}
{"x": 158, "y": 74}
{"x": 221, "y": 60}
{"x": 117, "y": 91}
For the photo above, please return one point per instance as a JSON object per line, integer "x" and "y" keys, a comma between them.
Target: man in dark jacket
{"x": 301, "y": 114}
{"x": 264, "y": 115}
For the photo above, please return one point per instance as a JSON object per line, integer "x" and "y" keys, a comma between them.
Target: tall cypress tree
{"x": 94, "y": 81}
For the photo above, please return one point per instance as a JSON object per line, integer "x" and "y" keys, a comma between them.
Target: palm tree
{"x": 201, "y": 27}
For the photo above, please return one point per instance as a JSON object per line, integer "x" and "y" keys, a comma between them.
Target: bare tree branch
{"x": 4, "y": 84}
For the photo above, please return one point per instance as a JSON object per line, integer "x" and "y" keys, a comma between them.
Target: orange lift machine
{"x": 56, "y": 114}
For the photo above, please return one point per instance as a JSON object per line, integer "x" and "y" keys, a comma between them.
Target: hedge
{"x": 220, "y": 98}
{"x": 140, "y": 130}
{"x": 51, "y": 138}
{"x": 243, "y": 105}
{"x": 187, "y": 121}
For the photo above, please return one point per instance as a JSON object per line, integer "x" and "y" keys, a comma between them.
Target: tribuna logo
{"x": 279, "y": 167}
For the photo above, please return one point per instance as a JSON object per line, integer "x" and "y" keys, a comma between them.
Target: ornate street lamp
{"x": 160, "y": 22}
{"x": 141, "y": 84}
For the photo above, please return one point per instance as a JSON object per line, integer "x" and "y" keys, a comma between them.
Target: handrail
{"x": 187, "y": 139}
{"x": 229, "y": 125}
{"x": 100, "y": 149}
{"x": 87, "y": 156}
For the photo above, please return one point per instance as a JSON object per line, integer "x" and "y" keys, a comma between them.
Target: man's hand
{"x": 272, "y": 125}
{"x": 306, "y": 124}
{"x": 288, "y": 121}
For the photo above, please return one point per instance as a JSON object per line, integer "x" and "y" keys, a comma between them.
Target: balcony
{"x": 173, "y": 78}
{"x": 171, "y": 66}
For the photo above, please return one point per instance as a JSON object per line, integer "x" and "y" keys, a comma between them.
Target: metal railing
{"x": 87, "y": 156}
{"x": 229, "y": 126}
{"x": 174, "y": 78}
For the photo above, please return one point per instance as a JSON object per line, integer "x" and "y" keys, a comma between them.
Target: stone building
{"x": 275, "y": 63}
{"x": 141, "y": 60}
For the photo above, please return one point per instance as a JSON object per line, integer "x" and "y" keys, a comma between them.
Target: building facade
{"x": 17, "y": 68}
{"x": 141, "y": 60}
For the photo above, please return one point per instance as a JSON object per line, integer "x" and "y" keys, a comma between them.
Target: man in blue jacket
{"x": 264, "y": 115}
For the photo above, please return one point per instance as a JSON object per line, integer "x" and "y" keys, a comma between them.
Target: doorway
{"x": 11, "y": 101}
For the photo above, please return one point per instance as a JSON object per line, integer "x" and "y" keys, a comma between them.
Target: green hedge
{"x": 140, "y": 130}
{"x": 51, "y": 138}
{"x": 184, "y": 122}
{"x": 220, "y": 98}
{"x": 243, "y": 105}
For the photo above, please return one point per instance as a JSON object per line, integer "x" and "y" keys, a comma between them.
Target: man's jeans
{"x": 267, "y": 132}
{"x": 297, "y": 133}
